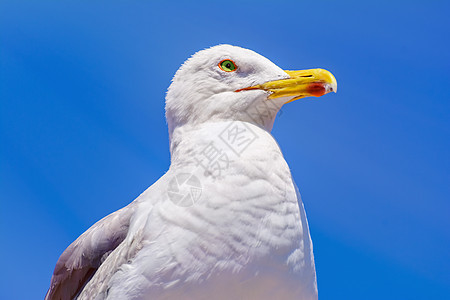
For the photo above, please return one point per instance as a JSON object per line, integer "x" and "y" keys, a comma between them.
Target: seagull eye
{"x": 227, "y": 65}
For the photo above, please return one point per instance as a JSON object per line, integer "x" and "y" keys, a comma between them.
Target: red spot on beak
{"x": 316, "y": 89}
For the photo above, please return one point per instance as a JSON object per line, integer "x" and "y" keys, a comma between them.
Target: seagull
{"x": 226, "y": 221}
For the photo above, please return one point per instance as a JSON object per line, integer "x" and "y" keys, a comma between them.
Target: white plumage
{"x": 225, "y": 222}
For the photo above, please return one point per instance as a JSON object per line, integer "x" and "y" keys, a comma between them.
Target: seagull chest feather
{"x": 244, "y": 235}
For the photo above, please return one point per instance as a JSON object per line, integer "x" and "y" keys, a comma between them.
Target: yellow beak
{"x": 304, "y": 83}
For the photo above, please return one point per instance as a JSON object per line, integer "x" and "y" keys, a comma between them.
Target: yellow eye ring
{"x": 227, "y": 65}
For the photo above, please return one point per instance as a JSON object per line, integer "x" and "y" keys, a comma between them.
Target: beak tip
{"x": 332, "y": 88}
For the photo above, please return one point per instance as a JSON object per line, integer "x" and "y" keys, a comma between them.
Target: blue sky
{"x": 82, "y": 128}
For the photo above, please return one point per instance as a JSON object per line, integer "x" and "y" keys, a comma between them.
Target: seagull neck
{"x": 233, "y": 139}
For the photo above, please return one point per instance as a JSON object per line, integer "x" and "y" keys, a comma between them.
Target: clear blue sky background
{"x": 82, "y": 128}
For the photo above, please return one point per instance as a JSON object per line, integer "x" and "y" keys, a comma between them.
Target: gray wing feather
{"x": 83, "y": 257}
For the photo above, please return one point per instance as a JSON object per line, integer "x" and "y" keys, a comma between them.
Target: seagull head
{"x": 229, "y": 83}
